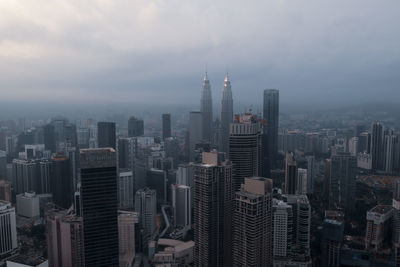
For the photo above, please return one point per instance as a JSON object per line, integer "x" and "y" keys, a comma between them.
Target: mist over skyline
{"x": 113, "y": 52}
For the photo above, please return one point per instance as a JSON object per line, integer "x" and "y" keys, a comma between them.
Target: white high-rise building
{"x": 353, "y": 146}
{"x": 28, "y": 205}
{"x": 8, "y": 230}
{"x": 126, "y": 189}
{"x": 181, "y": 205}
{"x": 185, "y": 174}
{"x": 301, "y": 187}
{"x": 282, "y": 229}
{"x": 206, "y": 108}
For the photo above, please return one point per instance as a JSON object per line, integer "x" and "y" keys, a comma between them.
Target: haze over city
{"x": 167, "y": 133}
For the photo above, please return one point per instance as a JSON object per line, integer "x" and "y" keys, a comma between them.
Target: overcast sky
{"x": 73, "y": 51}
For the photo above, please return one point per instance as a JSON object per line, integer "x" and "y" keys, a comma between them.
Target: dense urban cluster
{"x": 247, "y": 189}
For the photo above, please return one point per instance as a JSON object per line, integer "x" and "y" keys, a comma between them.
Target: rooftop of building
{"x": 4, "y": 205}
{"x": 381, "y": 209}
{"x": 27, "y": 259}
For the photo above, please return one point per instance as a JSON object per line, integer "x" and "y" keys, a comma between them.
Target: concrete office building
{"x": 5, "y": 191}
{"x": 99, "y": 195}
{"x": 64, "y": 235}
{"x": 28, "y": 205}
{"x": 252, "y": 224}
{"x": 378, "y": 227}
{"x": 126, "y": 185}
{"x": 126, "y": 237}
{"x": 245, "y": 147}
{"x": 213, "y": 211}
{"x": 8, "y": 230}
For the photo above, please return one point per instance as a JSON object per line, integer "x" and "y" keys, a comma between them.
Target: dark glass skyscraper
{"x": 106, "y": 134}
{"x": 244, "y": 148}
{"x": 61, "y": 182}
{"x": 99, "y": 204}
{"x": 213, "y": 206}
{"x": 135, "y": 127}
{"x": 270, "y": 133}
{"x": 49, "y": 137}
{"x": 343, "y": 181}
{"x": 377, "y": 147}
{"x": 166, "y": 125}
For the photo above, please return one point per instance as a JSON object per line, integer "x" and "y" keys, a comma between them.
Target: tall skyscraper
{"x": 213, "y": 211}
{"x": 252, "y": 224}
{"x": 310, "y": 174}
{"x": 270, "y": 133}
{"x": 195, "y": 131}
{"x": 135, "y": 127}
{"x": 377, "y": 147}
{"x": 146, "y": 206}
{"x": 389, "y": 145}
{"x": 99, "y": 205}
{"x": 283, "y": 230}
{"x": 290, "y": 174}
{"x": 8, "y": 230}
{"x": 396, "y": 221}
{"x": 301, "y": 187}
{"x": 206, "y": 109}
{"x": 332, "y": 238}
{"x": 166, "y": 126}
{"x": 106, "y": 134}
{"x": 226, "y": 115}
{"x": 126, "y": 233}
{"x": 244, "y": 147}
{"x": 49, "y": 137}
{"x": 181, "y": 205}
{"x": 61, "y": 183}
{"x": 126, "y": 186}
{"x": 342, "y": 181}
{"x": 64, "y": 235}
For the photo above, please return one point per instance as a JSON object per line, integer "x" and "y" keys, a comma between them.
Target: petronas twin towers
{"x": 226, "y": 113}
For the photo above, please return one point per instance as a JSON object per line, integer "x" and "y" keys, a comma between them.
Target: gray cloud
{"x": 156, "y": 51}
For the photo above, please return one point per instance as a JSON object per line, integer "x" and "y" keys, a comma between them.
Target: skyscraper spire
{"x": 206, "y": 108}
{"x": 226, "y": 114}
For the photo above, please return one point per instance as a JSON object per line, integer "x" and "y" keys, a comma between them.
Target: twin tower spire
{"x": 226, "y": 113}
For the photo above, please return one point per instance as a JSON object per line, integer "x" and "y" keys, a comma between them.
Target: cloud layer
{"x": 156, "y": 51}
